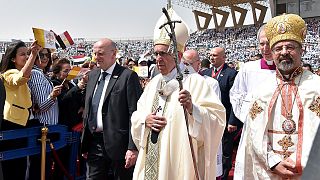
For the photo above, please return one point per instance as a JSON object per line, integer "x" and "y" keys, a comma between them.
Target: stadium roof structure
{"x": 209, "y": 9}
{"x": 219, "y": 3}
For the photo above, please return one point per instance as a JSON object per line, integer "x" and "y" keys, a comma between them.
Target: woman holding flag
{"x": 71, "y": 97}
{"x": 71, "y": 100}
{"x": 15, "y": 70}
{"x": 44, "y": 102}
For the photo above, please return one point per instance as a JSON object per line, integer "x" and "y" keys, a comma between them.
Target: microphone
{"x": 154, "y": 136}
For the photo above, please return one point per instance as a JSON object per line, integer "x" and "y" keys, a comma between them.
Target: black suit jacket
{"x": 70, "y": 101}
{"x": 122, "y": 94}
{"x": 226, "y": 79}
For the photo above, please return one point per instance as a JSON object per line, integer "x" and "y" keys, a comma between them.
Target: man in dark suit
{"x": 225, "y": 76}
{"x": 111, "y": 97}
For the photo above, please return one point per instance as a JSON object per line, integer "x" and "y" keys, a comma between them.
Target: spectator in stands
{"x": 131, "y": 63}
{"x": 70, "y": 102}
{"x": 54, "y": 58}
{"x": 44, "y": 94}
{"x": 205, "y": 64}
{"x": 71, "y": 97}
{"x": 15, "y": 69}
{"x": 44, "y": 101}
{"x": 318, "y": 72}
{"x": 307, "y": 66}
{"x": 143, "y": 61}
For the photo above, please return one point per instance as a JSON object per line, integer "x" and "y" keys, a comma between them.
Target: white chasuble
{"x": 269, "y": 138}
{"x": 206, "y": 125}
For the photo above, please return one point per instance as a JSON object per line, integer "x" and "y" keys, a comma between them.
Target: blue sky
{"x": 85, "y": 18}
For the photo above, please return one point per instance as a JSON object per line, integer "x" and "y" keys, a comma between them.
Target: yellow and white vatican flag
{"x": 46, "y": 39}
{"x": 77, "y": 73}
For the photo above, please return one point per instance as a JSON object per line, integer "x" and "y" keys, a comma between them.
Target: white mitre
{"x": 181, "y": 30}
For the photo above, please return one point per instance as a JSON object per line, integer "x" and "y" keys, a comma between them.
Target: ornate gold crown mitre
{"x": 181, "y": 30}
{"x": 286, "y": 27}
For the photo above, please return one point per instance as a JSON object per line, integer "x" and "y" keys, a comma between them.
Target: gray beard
{"x": 286, "y": 66}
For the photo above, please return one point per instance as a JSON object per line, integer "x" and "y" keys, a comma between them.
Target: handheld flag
{"x": 142, "y": 71}
{"x": 77, "y": 73}
{"x": 45, "y": 38}
{"x": 64, "y": 40}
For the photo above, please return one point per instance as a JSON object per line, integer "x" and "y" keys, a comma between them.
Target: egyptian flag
{"x": 64, "y": 40}
{"x": 45, "y": 39}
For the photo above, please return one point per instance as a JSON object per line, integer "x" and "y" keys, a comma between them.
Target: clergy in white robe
{"x": 192, "y": 61}
{"x": 249, "y": 77}
{"x": 267, "y": 143}
{"x": 159, "y": 128}
{"x": 285, "y": 111}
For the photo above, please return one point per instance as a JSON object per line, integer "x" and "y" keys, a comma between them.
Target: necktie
{"x": 215, "y": 70}
{"x": 95, "y": 103}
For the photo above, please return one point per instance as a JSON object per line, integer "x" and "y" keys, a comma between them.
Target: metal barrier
{"x": 62, "y": 138}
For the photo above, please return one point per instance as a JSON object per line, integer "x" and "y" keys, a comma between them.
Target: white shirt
{"x": 99, "y": 115}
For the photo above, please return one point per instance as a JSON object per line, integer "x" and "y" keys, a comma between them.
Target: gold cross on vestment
{"x": 315, "y": 106}
{"x": 286, "y": 142}
{"x": 255, "y": 110}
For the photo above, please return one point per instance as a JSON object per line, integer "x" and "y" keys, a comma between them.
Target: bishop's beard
{"x": 286, "y": 63}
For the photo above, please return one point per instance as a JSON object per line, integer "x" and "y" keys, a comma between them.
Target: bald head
{"x": 191, "y": 57}
{"x": 217, "y": 56}
{"x": 105, "y": 53}
{"x": 107, "y": 43}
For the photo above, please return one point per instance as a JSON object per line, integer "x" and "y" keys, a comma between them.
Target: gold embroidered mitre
{"x": 181, "y": 30}
{"x": 286, "y": 27}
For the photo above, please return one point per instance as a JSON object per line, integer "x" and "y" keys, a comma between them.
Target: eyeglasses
{"x": 42, "y": 55}
{"x": 288, "y": 48}
{"x": 161, "y": 53}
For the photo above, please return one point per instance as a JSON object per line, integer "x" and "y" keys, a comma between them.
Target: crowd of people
{"x": 240, "y": 44}
{"x": 158, "y": 127}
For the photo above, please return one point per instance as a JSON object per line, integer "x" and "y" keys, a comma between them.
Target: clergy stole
{"x": 289, "y": 127}
{"x": 153, "y": 148}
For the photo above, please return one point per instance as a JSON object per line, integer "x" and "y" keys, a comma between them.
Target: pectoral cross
{"x": 286, "y": 142}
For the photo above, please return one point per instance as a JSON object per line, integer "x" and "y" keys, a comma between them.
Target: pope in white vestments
{"x": 159, "y": 110}
{"x": 285, "y": 112}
